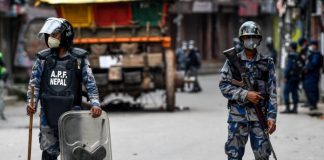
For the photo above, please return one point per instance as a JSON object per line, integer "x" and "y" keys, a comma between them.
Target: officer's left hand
{"x": 304, "y": 70}
{"x": 95, "y": 111}
{"x": 271, "y": 126}
{"x": 285, "y": 80}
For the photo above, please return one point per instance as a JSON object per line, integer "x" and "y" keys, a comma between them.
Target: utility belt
{"x": 63, "y": 93}
{"x": 55, "y": 105}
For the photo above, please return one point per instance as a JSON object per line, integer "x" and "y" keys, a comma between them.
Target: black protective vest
{"x": 60, "y": 84}
{"x": 260, "y": 79}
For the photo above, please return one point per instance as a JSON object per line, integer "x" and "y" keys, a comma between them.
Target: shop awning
{"x": 81, "y": 1}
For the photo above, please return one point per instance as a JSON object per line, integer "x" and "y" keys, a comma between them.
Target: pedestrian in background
{"x": 3, "y": 79}
{"x": 193, "y": 65}
{"x": 271, "y": 49}
{"x": 312, "y": 73}
{"x": 243, "y": 121}
{"x": 303, "y": 44}
{"x": 292, "y": 75}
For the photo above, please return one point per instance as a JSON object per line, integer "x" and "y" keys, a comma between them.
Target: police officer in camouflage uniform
{"x": 242, "y": 119}
{"x": 57, "y": 75}
{"x": 312, "y": 74}
{"x": 292, "y": 75}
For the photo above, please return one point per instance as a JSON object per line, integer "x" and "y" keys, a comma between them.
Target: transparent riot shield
{"x": 83, "y": 137}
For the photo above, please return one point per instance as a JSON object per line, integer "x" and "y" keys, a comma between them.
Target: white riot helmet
{"x": 191, "y": 44}
{"x": 57, "y": 25}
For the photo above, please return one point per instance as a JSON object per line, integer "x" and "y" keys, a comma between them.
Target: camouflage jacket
{"x": 240, "y": 110}
{"x": 87, "y": 79}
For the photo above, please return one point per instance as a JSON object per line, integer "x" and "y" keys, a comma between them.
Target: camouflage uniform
{"x": 48, "y": 136}
{"x": 242, "y": 117}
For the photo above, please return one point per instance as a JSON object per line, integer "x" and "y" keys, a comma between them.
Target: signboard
{"x": 202, "y": 7}
{"x": 108, "y": 61}
{"x": 249, "y": 8}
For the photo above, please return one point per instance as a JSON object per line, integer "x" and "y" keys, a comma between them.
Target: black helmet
{"x": 293, "y": 45}
{"x": 60, "y": 25}
{"x": 250, "y": 28}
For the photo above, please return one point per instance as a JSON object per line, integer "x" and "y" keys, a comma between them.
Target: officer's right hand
{"x": 30, "y": 110}
{"x": 254, "y": 97}
{"x": 285, "y": 80}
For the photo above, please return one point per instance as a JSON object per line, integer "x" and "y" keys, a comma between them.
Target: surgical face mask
{"x": 53, "y": 42}
{"x": 310, "y": 48}
{"x": 251, "y": 43}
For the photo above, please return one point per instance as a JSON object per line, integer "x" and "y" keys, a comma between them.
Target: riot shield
{"x": 83, "y": 137}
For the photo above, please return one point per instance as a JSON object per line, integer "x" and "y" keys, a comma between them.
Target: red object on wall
{"x": 59, "y": 11}
{"x": 248, "y": 8}
{"x": 119, "y": 14}
{"x": 164, "y": 14}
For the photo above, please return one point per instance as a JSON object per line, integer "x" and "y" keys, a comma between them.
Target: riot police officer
{"x": 271, "y": 49}
{"x": 57, "y": 75}
{"x": 242, "y": 119}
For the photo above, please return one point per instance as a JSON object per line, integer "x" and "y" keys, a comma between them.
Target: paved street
{"x": 195, "y": 134}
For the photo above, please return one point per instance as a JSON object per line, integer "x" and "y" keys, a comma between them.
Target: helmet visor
{"x": 51, "y": 25}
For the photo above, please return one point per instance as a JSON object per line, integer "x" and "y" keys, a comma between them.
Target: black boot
{"x": 3, "y": 117}
{"x": 313, "y": 107}
{"x": 287, "y": 110}
{"x": 47, "y": 156}
{"x": 294, "y": 110}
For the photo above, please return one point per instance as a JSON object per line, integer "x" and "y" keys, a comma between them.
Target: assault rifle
{"x": 231, "y": 55}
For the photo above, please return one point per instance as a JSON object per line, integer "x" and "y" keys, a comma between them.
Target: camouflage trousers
{"x": 48, "y": 136}
{"x": 238, "y": 133}
{"x": 49, "y": 140}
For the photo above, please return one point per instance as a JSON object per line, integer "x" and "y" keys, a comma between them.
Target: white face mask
{"x": 251, "y": 43}
{"x": 53, "y": 42}
{"x": 310, "y": 48}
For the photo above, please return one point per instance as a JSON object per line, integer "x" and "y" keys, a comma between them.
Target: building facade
{"x": 213, "y": 24}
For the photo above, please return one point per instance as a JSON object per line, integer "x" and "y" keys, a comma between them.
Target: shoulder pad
{"x": 44, "y": 53}
{"x": 269, "y": 58}
{"x": 79, "y": 53}
{"x": 265, "y": 57}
